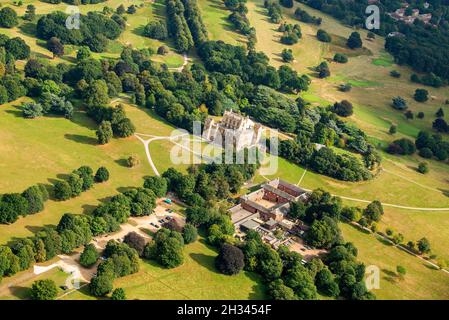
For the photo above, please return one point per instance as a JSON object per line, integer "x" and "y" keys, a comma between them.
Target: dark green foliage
{"x": 343, "y": 108}
{"x": 421, "y": 95}
{"x": 118, "y": 294}
{"x": 438, "y": 147}
{"x": 440, "y": 125}
{"x": 393, "y": 129}
{"x": 189, "y": 233}
{"x": 340, "y": 58}
{"x": 230, "y": 260}
{"x": 399, "y": 103}
{"x": 274, "y": 10}
{"x": 156, "y": 30}
{"x": 89, "y": 256}
{"x": 142, "y": 201}
{"x": 279, "y": 291}
{"x": 305, "y": 17}
{"x": 395, "y": 74}
{"x": 17, "y": 48}
{"x": 354, "y": 41}
{"x": 94, "y": 32}
{"x": 290, "y": 33}
{"x": 424, "y": 246}
{"x": 157, "y": 184}
{"x": 323, "y": 70}
{"x": 286, "y": 3}
{"x": 287, "y": 55}
{"x": 373, "y": 212}
{"x": 166, "y": 248}
{"x": 102, "y": 175}
{"x": 12, "y": 205}
{"x": 101, "y": 285}
{"x": 298, "y": 278}
{"x": 349, "y": 274}
{"x": 326, "y": 283}
{"x": 8, "y": 18}
{"x": 402, "y": 146}
{"x": 423, "y": 168}
{"x": 44, "y": 290}
{"x": 33, "y": 195}
{"x": 86, "y": 174}
{"x": 426, "y": 153}
{"x": 323, "y": 36}
{"x": 104, "y": 132}
{"x": 323, "y": 233}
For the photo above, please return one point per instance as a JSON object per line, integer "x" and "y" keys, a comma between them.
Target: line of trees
{"x": 240, "y": 21}
{"x": 32, "y": 200}
{"x": 274, "y": 10}
{"x": 177, "y": 26}
{"x": 11, "y": 84}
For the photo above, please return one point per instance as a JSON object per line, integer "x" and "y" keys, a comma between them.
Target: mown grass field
{"x": 196, "y": 279}
{"x": 43, "y": 149}
{"x": 39, "y": 150}
{"x": 215, "y": 18}
{"x": 420, "y": 282}
{"x": 23, "y": 291}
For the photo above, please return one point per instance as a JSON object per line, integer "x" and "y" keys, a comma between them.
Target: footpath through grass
{"x": 420, "y": 282}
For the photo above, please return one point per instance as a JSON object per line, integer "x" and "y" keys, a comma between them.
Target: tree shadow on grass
{"x": 384, "y": 241}
{"x": 205, "y": 261}
{"x": 124, "y": 189}
{"x": 36, "y": 229}
{"x": 122, "y": 162}
{"x": 81, "y": 139}
{"x": 259, "y": 289}
{"x": 88, "y": 208}
{"x": 444, "y": 192}
{"x": 28, "y": 29}
{"x": 22, "y": 293}
{"x": 428, "y": 266}
{"x": 16, "y": 113}
{"x": 390, "y": 276}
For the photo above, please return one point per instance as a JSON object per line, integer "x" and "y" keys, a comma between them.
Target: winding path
{"x": 186, "y": 61}
{"x": 146, "y": 143}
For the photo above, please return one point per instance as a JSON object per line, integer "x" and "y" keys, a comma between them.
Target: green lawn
{"x": 215, "y": 17}
{"x": 196, "y": 279}
{"x": 420, "y": 282}
{"x": 40, "y": 150}
{"x": 23, "y": 290}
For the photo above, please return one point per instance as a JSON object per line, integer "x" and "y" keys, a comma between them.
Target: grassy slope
{"x": 132, "y": 34}
{"x": 420, "y": 282}
{"x": 215, "y": 17}
{"x": 22, "y": 291}
{"x": 195, "y": 279}
{"x": 38, "y": 150}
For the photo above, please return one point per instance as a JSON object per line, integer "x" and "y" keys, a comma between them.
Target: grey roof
{"x": 250, "y": 224}
{"x": 271, "y": 222}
